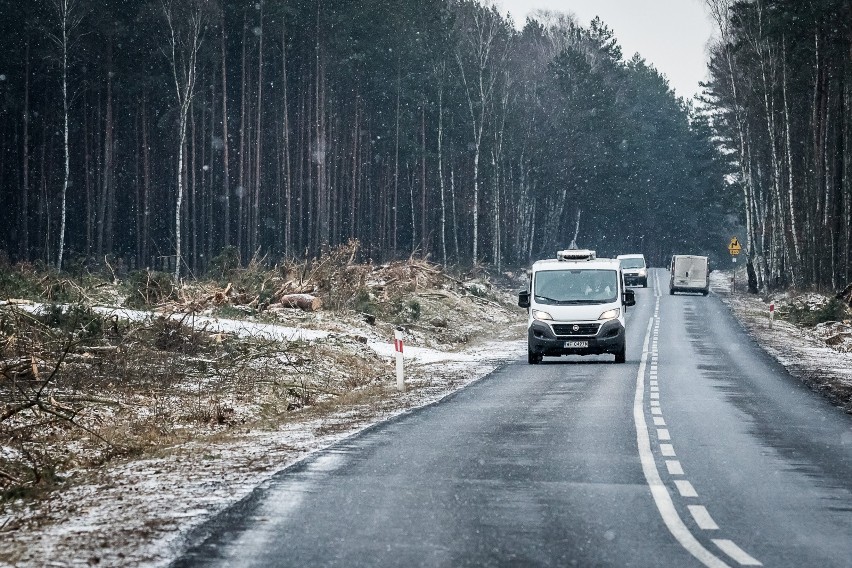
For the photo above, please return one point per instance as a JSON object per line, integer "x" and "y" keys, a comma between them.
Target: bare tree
{"x": 478, "y": 33}
{"x": 720, "y": 10}
{"x": 186, "y": 21}
{"x": 69, "y": 14}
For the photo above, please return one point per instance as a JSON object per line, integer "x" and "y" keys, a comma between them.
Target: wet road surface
{"x": 700, "y": 451}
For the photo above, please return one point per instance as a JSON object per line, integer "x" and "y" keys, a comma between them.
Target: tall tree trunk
{"x": 441, "y": 171}
{"x": 424, "y": 237}
{"x": 109, "y": 162}
{"x": 184, "y": 74}
{"x": 87, "y": 164}
{"x": 226, "y": 176}
{"x": 790, "y": 177}
{"x": 353, "y": 197}
{"x": 146, "y": 188}
{"x": 44, "y": 199}
{"x": 396, "y": 158}
{"x": 258, "y": 153}
{"x": 242, "y": 165}
{"x": 24, "y": 214}
{"x": 66, "y": 17}
{"x": 288, "y": 183}
{"x": 193, "y": 197}
{"x": 455, "y": 215}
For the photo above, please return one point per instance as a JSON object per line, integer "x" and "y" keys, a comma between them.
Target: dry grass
{"x": 80, "y": 388}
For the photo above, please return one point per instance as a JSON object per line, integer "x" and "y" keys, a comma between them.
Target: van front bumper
{"x": 610, "y": 338}
{"x": 635, "y": 280}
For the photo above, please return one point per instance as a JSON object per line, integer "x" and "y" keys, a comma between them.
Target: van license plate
{"x": 576, "y": 344}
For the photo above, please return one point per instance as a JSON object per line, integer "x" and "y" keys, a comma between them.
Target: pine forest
{"x": 163, "y": 134}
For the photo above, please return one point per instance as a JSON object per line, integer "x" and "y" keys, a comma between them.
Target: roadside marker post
{"x": 397, "y": 344}
{"x": 771, "y": 313}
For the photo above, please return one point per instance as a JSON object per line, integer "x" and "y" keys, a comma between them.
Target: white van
{"x": 689, "y": 274}
{"x": 576, "y": 306}
{"x": 635, "y": 269}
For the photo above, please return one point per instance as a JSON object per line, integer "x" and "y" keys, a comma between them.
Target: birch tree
{"x": 186, "y": 21}
{"x": 478, "y": 32}
{"x": 69, "y": 14}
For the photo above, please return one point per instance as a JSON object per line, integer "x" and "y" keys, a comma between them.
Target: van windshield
{"x": 632, "y": 263}
{"x": 564, "y": 287}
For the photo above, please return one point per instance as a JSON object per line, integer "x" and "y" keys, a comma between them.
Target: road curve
{"x": 700, "y": 451}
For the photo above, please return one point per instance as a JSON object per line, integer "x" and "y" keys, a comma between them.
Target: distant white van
{"x": 576, "y": 305}
{"x": 635, "y": 269}
{"x": 689, "y": 274}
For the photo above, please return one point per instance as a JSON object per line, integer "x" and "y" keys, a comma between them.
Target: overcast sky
{"x": 670, "y": 34}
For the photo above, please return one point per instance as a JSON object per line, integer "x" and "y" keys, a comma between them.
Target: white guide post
{"x": 397, "y": 343}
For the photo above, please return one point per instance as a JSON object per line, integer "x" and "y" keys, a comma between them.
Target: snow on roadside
{"x": 804, "y": 352}
{"x": 139, "y": 512}
{"x": 210, "y": 324}
{"x": 273, "y": 332}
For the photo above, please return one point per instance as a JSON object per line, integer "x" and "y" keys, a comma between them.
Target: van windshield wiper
{"x": 567, "y": 302}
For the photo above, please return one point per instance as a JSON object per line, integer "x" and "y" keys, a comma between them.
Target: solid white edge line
{"x": 730, "y": 548}
{"x": 661, "y": 495}
{"x": 702, "y": 518}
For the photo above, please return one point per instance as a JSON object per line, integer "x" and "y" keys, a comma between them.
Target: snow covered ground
{"x": 820, "y": 356}
{"x": 137, "y": 512}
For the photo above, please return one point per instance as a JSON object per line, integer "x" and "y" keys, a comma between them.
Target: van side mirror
{"x": 524, "y": 298}
{"x": 629, "y": 298}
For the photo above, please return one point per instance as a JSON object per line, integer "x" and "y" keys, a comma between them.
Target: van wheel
{"x": 671, "y": 292}
{"x": 705, "y": 292}
{"x": 533, "y": 358}
{"x": 621, "y": 354}
{"x": 645, "y": 283}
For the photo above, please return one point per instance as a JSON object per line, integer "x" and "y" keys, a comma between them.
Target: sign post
{"x": 397, "y": 344}
{"x": 734, "y": 247}
{"x": 771, "y": 313}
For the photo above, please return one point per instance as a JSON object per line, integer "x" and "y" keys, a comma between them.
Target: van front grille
{"x": 567, "y": 329}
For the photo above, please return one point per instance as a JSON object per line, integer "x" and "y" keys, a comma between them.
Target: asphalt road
{"x": 701, "y": 450}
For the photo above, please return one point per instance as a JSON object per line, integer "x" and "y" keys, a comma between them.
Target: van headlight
{"x": 610, "y": 314}
{"x": 540, "y": 315}
{"x": 643, "y": 272}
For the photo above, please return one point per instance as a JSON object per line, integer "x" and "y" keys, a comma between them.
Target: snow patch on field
{"x": 138, "y": 513}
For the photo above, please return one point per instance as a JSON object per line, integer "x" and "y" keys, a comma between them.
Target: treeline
{"x": 430, "y": 127}
{"x": 781, "y": 80}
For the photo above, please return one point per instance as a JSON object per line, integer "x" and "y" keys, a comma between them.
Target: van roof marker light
{"x": 581, "y": 254}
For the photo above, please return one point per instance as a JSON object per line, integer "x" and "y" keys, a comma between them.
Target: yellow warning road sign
{"x": 734, "y": 247}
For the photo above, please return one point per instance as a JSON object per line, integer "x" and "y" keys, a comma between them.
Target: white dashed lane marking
{"x": 700, "y": 514}
{"x": 674, "y": 467}
{"x": 703, "y": 518}
{"x": 659, "y": 491}
{"x": 685, "y": 488}
{"x": 730, "y": 548}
